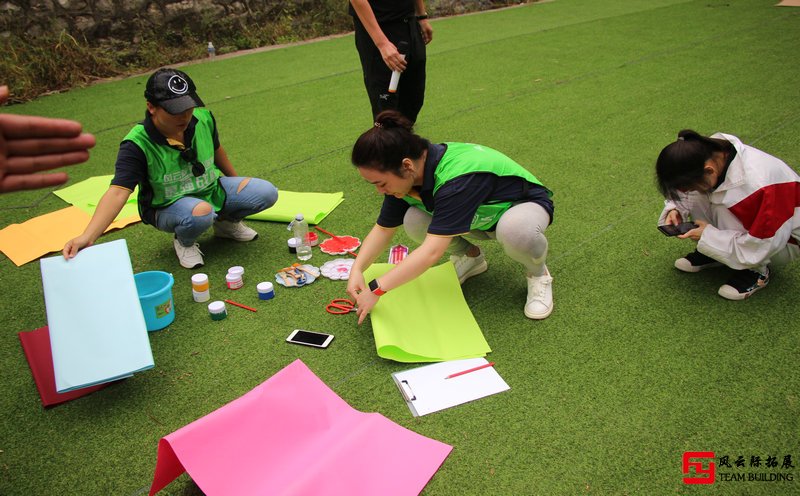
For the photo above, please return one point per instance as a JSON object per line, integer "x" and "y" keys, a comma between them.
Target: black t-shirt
{"x": 388, "y": 10}
{"x": 456, "y": 201}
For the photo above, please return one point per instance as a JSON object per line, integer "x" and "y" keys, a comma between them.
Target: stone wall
{"x": 123, "y": 20}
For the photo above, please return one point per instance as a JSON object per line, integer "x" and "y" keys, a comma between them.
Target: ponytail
{"x": 680, "y": 165}
{"x": 384, "y": 146}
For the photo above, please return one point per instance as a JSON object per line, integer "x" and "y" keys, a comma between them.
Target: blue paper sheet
{"x": 97, "y": 329}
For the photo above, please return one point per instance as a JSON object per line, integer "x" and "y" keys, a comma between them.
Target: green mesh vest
{"x": 171, "y": 177}
{"x": 466, "y": 158}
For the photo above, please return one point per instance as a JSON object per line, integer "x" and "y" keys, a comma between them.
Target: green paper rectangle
{"x": 425, "y": 320}
{"x": 86, "y": 194}
{"x": 313, "y": 206}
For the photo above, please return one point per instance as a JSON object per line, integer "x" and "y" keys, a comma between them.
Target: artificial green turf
{"x": 638, "y": 362}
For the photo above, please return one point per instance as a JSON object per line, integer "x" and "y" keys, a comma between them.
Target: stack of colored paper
{"x": 97, "y": 329}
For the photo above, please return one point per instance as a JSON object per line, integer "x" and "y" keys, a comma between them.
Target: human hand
{"x": 30, "y": 144}
{"x": 695, "y": 233}
{"x": 74, "y": 245}
{"x": 427, "y": 31}
{"x": 355, "y": 283}
{"x": 673, "y": 218}
{"x": 393, "y": 59}
{"x": 365, "y": 300}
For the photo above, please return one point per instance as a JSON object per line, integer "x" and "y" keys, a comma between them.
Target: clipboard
{"x": 427, "y": 389}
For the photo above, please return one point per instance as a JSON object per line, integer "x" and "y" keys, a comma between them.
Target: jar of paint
{"x": 292, "y": 244}
{"x": 217, "y": 310}
{"x": 201, "y": 296}
{"x": 200, "y": 282}
{"x": 265, "y": 291}
{"x": 313, "y": 239}
{"x": 234, "y": 281}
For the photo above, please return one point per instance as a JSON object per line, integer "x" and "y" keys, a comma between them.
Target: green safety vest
{"x": 465, "y": 158}
{"x": 171, "y": 177}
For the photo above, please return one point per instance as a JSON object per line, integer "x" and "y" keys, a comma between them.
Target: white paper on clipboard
{"x": 426, "y": 389}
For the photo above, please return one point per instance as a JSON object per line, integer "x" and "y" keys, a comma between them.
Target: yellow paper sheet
{"x": 23, "y": 243}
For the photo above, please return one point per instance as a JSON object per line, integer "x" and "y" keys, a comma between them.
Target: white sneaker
{"x": 189, "y": 256}
{"x": 467, "y": 267}
{"x": 540, "y": 297}
{"x": 234, "y": 230}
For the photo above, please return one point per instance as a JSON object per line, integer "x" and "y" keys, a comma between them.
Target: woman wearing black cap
{"x": 186, "y": 181}
{"x": 744, "y": 202}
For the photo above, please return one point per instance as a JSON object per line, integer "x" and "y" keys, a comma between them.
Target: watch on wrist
{"x": 422, "y": 17}
{"x": 375, "y": 288}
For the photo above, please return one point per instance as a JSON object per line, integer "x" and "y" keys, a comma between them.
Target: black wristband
{"x": 422, "y": 17}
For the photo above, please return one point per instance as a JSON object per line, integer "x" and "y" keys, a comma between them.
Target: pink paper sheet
{"x": 292, "y": 435}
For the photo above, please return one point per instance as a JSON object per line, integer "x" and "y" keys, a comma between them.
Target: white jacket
{"x": 752, "y": 215}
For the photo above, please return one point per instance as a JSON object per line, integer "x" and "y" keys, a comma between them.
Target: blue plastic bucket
{"x": 155, "y": 296}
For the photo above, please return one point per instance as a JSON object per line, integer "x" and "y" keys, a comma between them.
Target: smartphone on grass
{"x": 310, "y": 338}
{"x": 676, "y": 230}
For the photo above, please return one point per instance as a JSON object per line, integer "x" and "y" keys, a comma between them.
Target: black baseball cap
{"x": 172, "y": 90}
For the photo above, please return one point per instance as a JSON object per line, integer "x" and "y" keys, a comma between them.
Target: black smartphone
{"x": 310, "y": 338}
{"x": 675, "y": 230}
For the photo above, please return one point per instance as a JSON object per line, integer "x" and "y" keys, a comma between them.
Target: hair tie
{"x": 379, "y": 125}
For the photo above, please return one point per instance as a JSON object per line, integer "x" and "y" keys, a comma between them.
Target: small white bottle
{"x": 300, "y": 232}
{"x": 211, "y": 50}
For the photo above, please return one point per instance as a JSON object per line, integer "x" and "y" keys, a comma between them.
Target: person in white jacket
{"x": 744, "y": 202}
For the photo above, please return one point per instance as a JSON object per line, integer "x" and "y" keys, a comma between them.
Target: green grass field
{"x": 638, "y": 363}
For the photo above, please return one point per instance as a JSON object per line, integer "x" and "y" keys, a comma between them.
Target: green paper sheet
{"x": 425, "y": 320}
{"x": 313, "y": 206}
{"x": 86, "y": 195}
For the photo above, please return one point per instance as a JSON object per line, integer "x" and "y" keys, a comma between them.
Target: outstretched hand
{"x": 30, "y": 144}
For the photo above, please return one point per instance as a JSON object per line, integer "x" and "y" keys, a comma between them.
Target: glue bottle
{"x": 300, "y": 232}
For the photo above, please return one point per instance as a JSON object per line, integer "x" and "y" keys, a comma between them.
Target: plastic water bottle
{"x": 211, "y": 50}
{"x": 300, "y": 232}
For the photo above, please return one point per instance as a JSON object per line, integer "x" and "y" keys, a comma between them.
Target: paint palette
{"x": 338, "y": 269}
{"x": 297, "y": 275}
{"x": 339, "y": 245}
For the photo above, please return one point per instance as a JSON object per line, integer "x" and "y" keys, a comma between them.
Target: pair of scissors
{"x": 340, "y": 306}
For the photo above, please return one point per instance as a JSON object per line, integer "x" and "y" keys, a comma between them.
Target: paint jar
{"x": 200, "y": 291}
{"x": 200, "y": 282}
{"x": 265, "y": 291}
{"x": 201, "y": 296}
{"x": 234, "y": 281}
{"x": 313, "y": 239}
{"x": 217, "y": 310}
{"x": 292, "y": 244}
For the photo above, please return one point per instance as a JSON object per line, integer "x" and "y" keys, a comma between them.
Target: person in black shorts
{"x": 381, "y": 27}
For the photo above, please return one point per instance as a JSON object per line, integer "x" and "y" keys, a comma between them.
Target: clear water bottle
{"x": 211, "y": 50}
{"x": 300, "y": 233}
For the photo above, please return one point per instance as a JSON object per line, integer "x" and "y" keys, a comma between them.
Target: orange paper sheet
{"x": 23, "y": 243}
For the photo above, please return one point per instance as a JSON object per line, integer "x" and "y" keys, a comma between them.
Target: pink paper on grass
{"x": 292, "y": 435}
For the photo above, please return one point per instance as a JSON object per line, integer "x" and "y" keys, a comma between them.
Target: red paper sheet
{"x": 36, "y": 345}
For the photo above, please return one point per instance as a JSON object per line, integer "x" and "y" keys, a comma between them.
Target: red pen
{"x": 456, "y": 374}
{"x": 240, "y": 305}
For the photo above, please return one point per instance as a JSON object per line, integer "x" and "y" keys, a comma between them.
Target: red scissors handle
{"x": 340, "y": 306}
